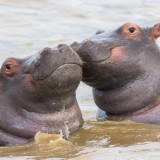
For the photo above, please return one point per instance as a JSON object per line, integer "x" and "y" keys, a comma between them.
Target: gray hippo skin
{"x": 123, "y": 67}
{"x": 37, "y": 93}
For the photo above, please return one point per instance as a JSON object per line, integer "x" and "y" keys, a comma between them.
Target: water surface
{"x": 27, "y": 26}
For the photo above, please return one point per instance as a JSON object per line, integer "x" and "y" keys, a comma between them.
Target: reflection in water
{"x": 29, "y": 26}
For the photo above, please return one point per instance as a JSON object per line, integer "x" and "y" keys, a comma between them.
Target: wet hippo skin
{"x": 37, "y": 93}
{"x": 123, "y": 67}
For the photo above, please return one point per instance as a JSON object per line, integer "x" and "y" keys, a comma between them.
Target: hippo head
{"x": 38, "y": 94}
{"x": 123, "y": 67}
{"x": 112, "y": 59}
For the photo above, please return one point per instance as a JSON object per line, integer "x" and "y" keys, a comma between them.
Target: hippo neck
{"x": 22, "y": 125}
{"x": 137, "y": 94}
{"x": 42, "y": 105}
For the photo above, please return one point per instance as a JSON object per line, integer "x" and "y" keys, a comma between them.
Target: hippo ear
{"x": 155, "y": 31}
{"x": 99, "y": 32}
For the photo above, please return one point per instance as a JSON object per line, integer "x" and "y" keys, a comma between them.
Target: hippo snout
{"x": 50, "y": 59}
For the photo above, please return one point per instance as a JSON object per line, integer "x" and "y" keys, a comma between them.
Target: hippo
{"x": 38, "y": 94}
{"x": 123, "y": 69}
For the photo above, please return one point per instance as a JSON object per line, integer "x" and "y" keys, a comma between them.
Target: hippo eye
{"x": 8, "y": 66}
{"x": 131, "y": 30}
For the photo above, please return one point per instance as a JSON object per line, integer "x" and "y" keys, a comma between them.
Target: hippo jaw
{"x": 124, "y": 70}
{"x": 20, "y": 127}
{"x": 38, "y": 94}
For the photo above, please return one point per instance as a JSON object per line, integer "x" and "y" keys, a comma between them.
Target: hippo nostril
{"x": 46, "y": 49}
{"x": 75, "y": 46}
{"x": 86, "y": 40}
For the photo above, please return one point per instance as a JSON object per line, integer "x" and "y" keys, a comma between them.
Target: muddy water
{"x": 27, "y": 26}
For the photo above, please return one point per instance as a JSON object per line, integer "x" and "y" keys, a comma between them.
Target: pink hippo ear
{"x": 155, "y": 31}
